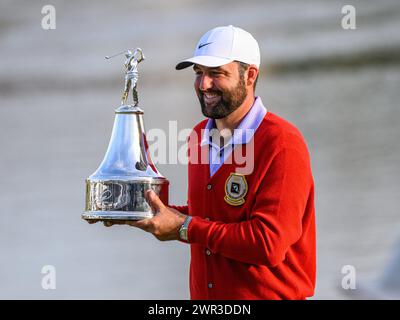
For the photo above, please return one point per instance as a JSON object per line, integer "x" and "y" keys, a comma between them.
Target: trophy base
{"x": 112, "y": 199}
{"x": 116, "y": 215}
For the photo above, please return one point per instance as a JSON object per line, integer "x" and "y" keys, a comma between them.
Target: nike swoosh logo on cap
{"x": 203, "y": 45}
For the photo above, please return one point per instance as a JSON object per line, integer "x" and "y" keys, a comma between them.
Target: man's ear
{"x": 252, "y": 73}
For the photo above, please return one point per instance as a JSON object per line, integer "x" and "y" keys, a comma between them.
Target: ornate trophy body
{"x": 116, "y": 190}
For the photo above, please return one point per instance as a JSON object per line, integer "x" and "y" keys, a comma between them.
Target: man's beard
{"x": 230, "y": 101}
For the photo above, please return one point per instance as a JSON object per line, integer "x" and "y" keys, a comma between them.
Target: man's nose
{"x": 206, "y": 83}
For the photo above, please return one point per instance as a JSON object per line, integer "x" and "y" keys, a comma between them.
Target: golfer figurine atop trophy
{"x": 116, "y": 190}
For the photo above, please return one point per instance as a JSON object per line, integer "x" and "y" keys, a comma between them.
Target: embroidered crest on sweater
{"x": 235, "y": 189}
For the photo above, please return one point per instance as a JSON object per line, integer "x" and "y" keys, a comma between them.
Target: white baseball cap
{"x": 223, "y": 45}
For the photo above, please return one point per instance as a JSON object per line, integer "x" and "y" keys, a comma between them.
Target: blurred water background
{"x": 57, "y": 98}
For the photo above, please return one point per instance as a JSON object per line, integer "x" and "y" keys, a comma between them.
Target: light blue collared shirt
{"x": 241, "y": 135}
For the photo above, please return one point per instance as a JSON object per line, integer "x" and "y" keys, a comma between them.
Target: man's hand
{"x": 164, "y": 225}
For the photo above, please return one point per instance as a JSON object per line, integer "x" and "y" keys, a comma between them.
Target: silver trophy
{"x": 116, "y": 190}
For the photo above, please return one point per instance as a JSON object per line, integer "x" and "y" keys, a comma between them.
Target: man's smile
{"x": 211, "y": 98}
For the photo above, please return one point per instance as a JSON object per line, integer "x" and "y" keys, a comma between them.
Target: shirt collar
{"x": 246, "y": 128}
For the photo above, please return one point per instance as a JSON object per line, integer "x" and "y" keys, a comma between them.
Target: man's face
{"x": 221, "y": 90}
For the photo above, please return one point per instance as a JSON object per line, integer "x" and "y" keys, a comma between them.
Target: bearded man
{"x": 250, "y": 224}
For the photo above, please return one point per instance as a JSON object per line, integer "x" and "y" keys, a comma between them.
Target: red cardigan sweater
{"x": 265, "y": 247}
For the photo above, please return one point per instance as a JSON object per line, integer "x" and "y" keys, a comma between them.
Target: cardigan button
{"x": 208, "y": 219}
{"x": 209, "y": 186}
{"x": 208, "y": 252}
{"x": 210, "y": 285}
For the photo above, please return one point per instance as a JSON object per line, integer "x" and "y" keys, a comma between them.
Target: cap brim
{"x": 207, "y": 61}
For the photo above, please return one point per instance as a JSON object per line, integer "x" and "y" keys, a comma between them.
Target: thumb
{"x": 154, "y": 201}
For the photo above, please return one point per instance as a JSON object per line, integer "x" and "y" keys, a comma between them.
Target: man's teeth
{"x": 211, "y": 97}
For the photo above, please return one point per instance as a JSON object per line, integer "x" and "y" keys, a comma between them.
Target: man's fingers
{"x": 144, "y": 224}
{"x": 109, "y": 223}
{"x": 154, "y": 201}
{"x": 92, "y": 221}
{"x": 138, "y": 223}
